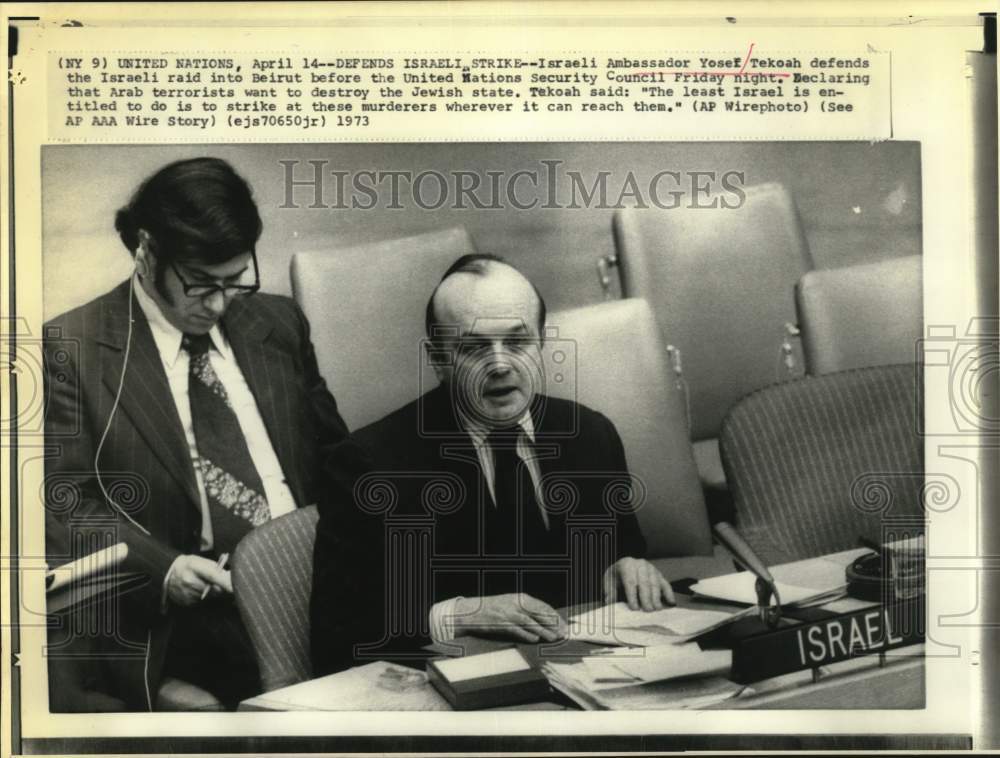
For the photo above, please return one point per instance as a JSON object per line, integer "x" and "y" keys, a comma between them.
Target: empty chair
{"x": 365, "y": 305}
{"x": 720, "y": 282}
{"x": 611, "y": 357}
{"x": 868, "y": 315}
{"x": 272, "y": 582}
{"x": 815, "y": 463}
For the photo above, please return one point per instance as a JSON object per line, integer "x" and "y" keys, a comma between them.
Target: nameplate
{"x": 838, "y": 638}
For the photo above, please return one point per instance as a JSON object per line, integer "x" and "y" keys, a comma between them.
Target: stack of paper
{"x": 618, "y": 625}
{"x": 654, "y": 664}
{"x": 667, "y": 677}
{"x": 680, "y": 694}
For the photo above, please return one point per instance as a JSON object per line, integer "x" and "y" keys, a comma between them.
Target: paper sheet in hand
{"x": 85, "y": 567}
{"x": 740, "y": 588}
{"x": 618, "y": 625}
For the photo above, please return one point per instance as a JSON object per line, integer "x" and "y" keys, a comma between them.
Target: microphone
{"x": 730, "y": 539}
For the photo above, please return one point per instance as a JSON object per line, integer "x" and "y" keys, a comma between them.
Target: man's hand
{"x": 516, "y": 615}
{"x": 191, "y": 574}
{"x": 643, "y": 583}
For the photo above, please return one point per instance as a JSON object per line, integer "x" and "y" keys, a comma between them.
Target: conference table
{"x": 891, "y": 681}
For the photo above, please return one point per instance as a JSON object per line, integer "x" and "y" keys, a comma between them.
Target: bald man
{"x": 506, "y": 481}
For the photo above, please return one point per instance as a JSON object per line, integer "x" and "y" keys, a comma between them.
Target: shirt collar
{"x": 479, "y": 432}
{"x": 167, "y": 336}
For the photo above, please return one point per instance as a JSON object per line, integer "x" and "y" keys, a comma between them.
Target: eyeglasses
{"x": 197, "y": 289}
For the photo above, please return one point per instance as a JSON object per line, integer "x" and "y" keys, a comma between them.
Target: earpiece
{"x": 142, "y": 254}
{"x": 141, "y": 262}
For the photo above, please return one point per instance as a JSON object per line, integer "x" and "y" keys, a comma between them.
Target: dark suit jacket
{"x": 145, "y": 463}
{"x": 422, "y": 510}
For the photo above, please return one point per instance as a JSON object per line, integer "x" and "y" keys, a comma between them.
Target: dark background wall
{"x": 857, "y": 201}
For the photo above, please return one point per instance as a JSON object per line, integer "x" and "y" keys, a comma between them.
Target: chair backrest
{"x": 868, "y": 315}
{"x": 365, "y": 305}
{"x": 815, "y": 463}
{"x": 720, "y": 282}
{"x": 611, "y": 357}
{"x": 272, "y": 581}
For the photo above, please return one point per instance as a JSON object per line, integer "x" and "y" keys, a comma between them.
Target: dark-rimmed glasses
{"x": 197, "y": 289}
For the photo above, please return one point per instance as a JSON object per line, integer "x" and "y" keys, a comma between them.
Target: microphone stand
{"x": 765, "y": 587}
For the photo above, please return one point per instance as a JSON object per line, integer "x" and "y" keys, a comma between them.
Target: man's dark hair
{"x": 478, "y": 264}
{"x": 194, "y": 210}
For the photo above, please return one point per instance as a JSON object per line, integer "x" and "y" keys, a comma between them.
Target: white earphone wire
{"x": 114, "y": 408}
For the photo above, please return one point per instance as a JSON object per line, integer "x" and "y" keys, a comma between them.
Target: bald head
{"x": 481, "y": 265}
{"x": 492, "y": 290}
{"x": 485, "y": 321}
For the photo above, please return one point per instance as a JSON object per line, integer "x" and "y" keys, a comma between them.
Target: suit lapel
{"x": 448, "y": 448}
{"x": 263, "y": 367}
{"x": 549, "y": 453}
{"x": 145, "y": 393}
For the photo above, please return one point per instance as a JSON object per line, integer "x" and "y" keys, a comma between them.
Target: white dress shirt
{"x": 442, "y": 620}
{"x": 175, "y": 363}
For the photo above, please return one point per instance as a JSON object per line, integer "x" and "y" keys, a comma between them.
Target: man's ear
{"x": 143, "y": 262}
{"x": 434, "y": 358}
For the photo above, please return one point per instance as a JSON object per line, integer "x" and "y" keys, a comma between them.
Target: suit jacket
{"x": 145, "y": 464}
{"x": 424, "y": 507}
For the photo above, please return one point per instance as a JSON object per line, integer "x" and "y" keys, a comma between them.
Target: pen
{"x": 220, "y": 564}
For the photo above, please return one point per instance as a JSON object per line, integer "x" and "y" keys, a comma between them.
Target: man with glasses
{"x": 193, "y": 412}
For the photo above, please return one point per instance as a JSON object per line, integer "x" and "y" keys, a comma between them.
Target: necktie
{"x": 234, "y": 489}
{"x": 515, "y": 529}
{"x": 514, "y": 498}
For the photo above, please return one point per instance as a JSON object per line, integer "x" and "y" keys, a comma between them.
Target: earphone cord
{"x": 97, "y": 468}
{"x": 114, "y": 408}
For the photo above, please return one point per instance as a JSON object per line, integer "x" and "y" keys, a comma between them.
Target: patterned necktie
{"x": 235, "y": 492}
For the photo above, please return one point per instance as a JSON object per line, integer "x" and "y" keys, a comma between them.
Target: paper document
{"x": 677, "y": 694}
{"x": 378, "y": 686}
{"x": 577, "y": 682}
{"x": 740, "y": 588}
{"x": 909, "y": 543}
{"x": 618, "y": 625}
{"x": 849, "y": 605}
{"x": 627, "y": 637}
{"x": 654, "y": 664}
{"x": 818, "y": 574}
{"x": 85, "y": 567}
